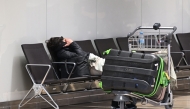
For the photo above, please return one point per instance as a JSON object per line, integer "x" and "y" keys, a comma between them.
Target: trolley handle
{"x": 141, "y": 27}
{"x": 168, "y": 36}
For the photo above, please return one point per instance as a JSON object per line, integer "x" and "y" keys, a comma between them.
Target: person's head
{"x": 55, "y": 43}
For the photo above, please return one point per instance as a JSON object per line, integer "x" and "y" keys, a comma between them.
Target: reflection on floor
{"x": 181, "y": 101}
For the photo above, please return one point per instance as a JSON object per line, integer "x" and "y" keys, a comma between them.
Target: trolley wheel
{"x": 166, "y": 100}
{"x": 169, "y": 106}
{"x": 132, "y": 105}
{"x": 134, "y": 101}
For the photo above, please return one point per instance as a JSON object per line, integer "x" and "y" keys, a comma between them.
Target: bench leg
{"x": 37, "y": 90}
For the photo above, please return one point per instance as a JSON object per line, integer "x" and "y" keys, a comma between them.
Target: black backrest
{"x": 184, "y": 39}
{"x": 123, "y": 43}
{"x": 53, "y": 55}
{"x": 87, "y": 46}
{"x": 174, "y": 45}
{"x": 36, "y": 54}
{"x": 104, "y": 44}
{"x": 175, "y": 56}
{"x": 54, "y": 59}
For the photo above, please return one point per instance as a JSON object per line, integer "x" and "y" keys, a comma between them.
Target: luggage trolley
{"x": 152, "y": 43}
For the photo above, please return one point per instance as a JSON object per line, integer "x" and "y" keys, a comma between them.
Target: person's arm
{"x": 63, "y": 54}
{"x": 73, "y": 45}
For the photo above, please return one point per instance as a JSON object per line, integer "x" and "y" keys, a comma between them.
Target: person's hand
{"x": 68, "y": 41}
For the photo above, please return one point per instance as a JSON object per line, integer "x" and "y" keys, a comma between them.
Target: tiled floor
{"x": 181, "y": 101}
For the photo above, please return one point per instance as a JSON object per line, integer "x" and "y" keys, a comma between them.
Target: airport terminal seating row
{"x": 46, "y": 80}
{"x": 182, "y": 68}
{"x": 45, "y": 76}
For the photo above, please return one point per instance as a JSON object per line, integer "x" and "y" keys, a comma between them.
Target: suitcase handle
{"x": 130, "y": 59}
{"x": 133, "y": 70}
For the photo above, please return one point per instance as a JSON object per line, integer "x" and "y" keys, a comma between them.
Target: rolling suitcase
{"x": 140, "y": 73}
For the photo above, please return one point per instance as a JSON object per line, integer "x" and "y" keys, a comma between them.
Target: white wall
{"x": 34, "y": 21}
{"x": 166, "y": 12}
{"x": 116, "y": 18}
{"x": 185, "y": 16}
{"x": 71, "y": 18}
{"x": 21, "y": 21}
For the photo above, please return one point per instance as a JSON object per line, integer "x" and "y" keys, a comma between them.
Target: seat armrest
{"x": 40, "y": 65}
{"x": 182, "y": 57}
{"x": 64, "y": 63}
{"x": 187, "y": 53}
{"x": 185, "y": 50}
{"x": 182, "y": 54}
{"x": 71, "y": 63}
{"x": 183, "y": 67}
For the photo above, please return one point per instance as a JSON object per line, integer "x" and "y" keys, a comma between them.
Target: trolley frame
{"x": 121, "y": 96}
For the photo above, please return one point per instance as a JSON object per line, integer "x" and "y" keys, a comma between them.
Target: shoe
{"x": 130, "y": 106}
{"x": 114, "y": 105}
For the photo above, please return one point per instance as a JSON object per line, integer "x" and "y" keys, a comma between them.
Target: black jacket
{"x": 74, "y": 53}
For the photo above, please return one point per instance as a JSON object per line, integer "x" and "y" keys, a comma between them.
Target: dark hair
{"x": 55, "y": 43}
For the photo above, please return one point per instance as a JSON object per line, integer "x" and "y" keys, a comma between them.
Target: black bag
{"x": 135, "y": 72}
{"x": 81, "y": 69}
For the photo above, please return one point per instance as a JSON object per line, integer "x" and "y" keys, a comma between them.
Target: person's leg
{"x": 95, "y": 72}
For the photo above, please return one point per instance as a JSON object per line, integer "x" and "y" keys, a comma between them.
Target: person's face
{"x": 63, "y": 40}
